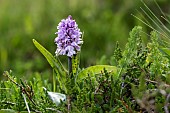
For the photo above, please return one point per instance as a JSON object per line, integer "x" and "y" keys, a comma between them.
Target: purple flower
{"x": 69, "y": 37}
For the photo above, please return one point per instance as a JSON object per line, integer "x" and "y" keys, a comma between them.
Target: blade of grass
{"x": 26, "y": 103}
{"x": 155, "y": 18}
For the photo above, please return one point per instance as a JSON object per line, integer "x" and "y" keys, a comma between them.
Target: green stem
{"x": 69, "y": 77}
{"x": 69, "y": 66}
{"x": 54, "y": 81}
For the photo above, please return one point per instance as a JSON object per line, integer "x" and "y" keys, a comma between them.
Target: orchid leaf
{"x": 97, "y": 69}
{"x": 54, "y": 62}
{"x": 7, "y": 111}
{"x": 166, "y": 51}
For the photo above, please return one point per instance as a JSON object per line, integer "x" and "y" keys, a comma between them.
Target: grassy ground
{"x": 103, "y": 23}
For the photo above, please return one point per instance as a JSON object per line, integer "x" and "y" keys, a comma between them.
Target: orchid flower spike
{"x": 69, "y": 37}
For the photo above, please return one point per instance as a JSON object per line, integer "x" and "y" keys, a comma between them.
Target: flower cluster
{"x": 69, "y": 37}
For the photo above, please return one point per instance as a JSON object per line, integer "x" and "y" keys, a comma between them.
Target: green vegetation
{"x": 103, "y": 22}
{"x": 133, "y": 79}
{"x": 139, "y": 83}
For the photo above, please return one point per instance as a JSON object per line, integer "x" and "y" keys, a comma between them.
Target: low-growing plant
{"x": 137, "y": 80}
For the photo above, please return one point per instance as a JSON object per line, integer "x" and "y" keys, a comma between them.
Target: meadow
{"x": 104, "y": 22}
{"x": 123, "y": 64}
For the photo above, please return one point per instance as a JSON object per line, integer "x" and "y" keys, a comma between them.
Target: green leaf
{"x": 7, "y": 111}
{"x": 96, "y": 70}
{"x": 166, "y": 51}
{"x": 54, "y": 62}
{"x": 26, "y": 112}
{"x": 23, "y": 84}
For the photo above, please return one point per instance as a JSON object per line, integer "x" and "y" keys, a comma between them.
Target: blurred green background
{"x": 103, "y": 22}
